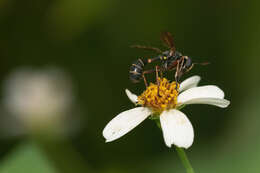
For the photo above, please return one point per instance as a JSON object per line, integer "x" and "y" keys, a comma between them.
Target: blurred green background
{"x": 90, "y": 41}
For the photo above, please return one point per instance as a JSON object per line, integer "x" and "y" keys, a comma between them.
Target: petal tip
{"x": 107, "y": 140}
{"x": 188, "y": 146}
{"x": 226, "y": 103}
{"x": 190, "y": 82}
{"x": 185, "y": 146}
{"x": 127, "y": 92}
{"x": 197, "y": 77}
{"x": 168, "y": 145}
{"x": 132, "y": 97}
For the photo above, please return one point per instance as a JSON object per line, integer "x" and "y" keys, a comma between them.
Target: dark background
{"x": 90, "y": 41}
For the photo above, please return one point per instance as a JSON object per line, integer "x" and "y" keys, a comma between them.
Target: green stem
{"x": 184, "y": 159}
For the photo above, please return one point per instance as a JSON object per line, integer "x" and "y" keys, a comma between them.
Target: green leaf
{"x": 26, "y": 158}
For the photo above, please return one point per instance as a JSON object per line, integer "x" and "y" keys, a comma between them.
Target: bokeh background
{"x": 89, "y": 41}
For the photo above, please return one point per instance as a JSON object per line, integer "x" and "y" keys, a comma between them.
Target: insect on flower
{"x": 170, "y": 60}
{"x": 176, "y": 127}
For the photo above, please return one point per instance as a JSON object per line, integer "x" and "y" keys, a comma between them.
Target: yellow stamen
{"x": 166, "y": 99}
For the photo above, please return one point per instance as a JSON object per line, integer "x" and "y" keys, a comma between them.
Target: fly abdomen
{"x": 136, "y": 70}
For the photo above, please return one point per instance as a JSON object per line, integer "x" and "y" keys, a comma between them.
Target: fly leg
{"x": 143, "y": 75}
{"x": 157, "y": 79}
{"x": 179, "y": 70}
{"x": 145, "y": 81}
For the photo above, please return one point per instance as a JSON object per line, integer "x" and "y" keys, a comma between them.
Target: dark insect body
{"x": 136, "y": 70}
{"x": 169, "y": 60}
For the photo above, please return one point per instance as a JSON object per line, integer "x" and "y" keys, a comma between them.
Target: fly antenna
{"x": 201, "y": 63}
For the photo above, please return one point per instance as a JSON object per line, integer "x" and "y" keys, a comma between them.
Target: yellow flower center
{"x": 160, "y": 97}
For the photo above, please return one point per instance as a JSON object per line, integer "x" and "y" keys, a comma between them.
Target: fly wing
{"x": 167, "y": 39}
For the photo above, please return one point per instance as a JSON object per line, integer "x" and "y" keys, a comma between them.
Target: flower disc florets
{"x": 160, "y": 97}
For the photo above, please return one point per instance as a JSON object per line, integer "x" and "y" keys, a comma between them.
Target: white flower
{"x": 39, "y": 99}
{"x": 176, "y": 127}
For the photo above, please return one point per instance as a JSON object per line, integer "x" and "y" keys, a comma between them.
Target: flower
{"x": 163, "y": 102}
{"x": 39, "y": 100}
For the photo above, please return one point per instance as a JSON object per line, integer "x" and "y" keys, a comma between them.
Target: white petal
{"x": 124, "y": 122}
{"x": 223, "y": 103}
{"x": 176, "y": 128}
{"x": 209, "y": 91}
{"x": 189, "y": 83}
{"x": 132, "y": 97}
